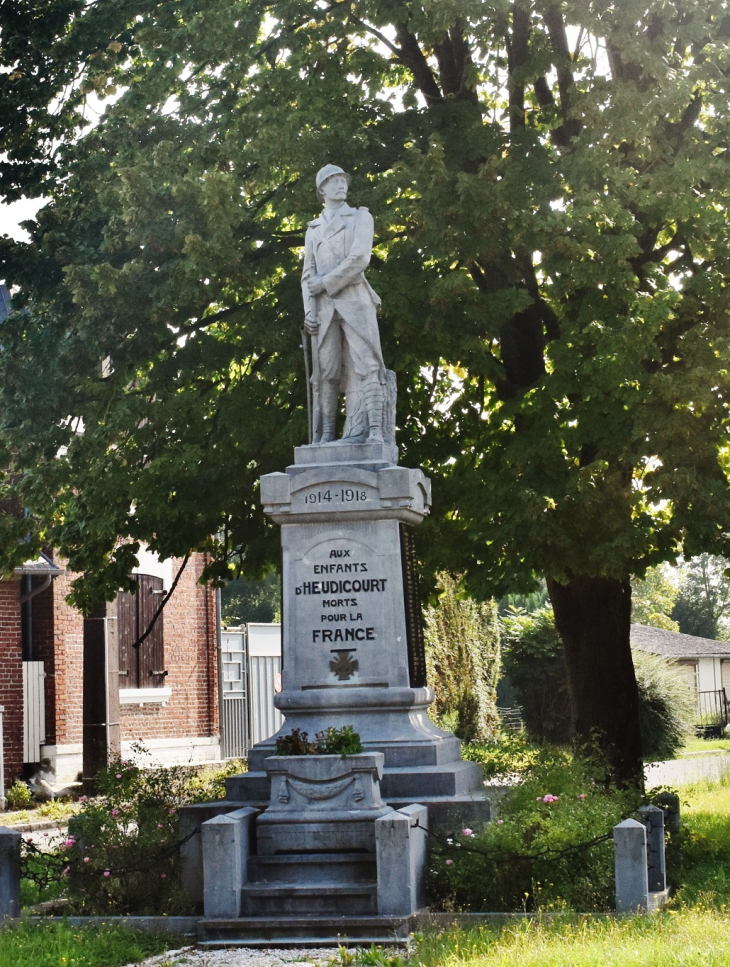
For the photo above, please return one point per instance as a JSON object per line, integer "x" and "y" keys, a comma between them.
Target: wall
{"x": 11, "y": 678}
{"x": 168, "y": 729}
{"x": 190, "y": 659}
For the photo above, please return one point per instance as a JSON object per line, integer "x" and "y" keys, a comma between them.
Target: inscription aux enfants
{"x": 342, "y": 612}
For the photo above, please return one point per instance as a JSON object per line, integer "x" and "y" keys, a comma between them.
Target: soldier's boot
{"x": 329, "y": 396}
{"x": 375, "y": 404}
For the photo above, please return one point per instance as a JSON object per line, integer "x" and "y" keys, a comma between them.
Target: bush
{"x": 462, "y": 656}
{"x": 666, "y": 706}
{"x": 331, "y": 741}
{"x": 532, "y": 657}
{"x": 534, "y": 664}
{"x": 535, "y": 855}
{"x": 122, "y": 854}
{"x": 18, "y": 795}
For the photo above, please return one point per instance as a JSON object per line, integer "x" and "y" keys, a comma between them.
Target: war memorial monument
{"x": 317, "y": 846}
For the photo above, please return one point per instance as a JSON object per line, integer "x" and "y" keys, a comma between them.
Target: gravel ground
{"x": 242, "y": 957}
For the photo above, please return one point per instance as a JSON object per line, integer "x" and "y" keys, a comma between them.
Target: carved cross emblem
{"x": 344, "y": 665}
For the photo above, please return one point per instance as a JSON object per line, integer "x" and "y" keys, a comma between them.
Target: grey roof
{"x": 41, "y": 565}
{"x": 672, "y": 644}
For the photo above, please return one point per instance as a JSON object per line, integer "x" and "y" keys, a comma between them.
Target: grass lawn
{"x": 706, "y": 745}
{"x": 56, "y": 945}
{"x": 693, "y": 932}
{"x": 683, "y": 938}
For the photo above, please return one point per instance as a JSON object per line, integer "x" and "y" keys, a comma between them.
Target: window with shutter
{"x": 142, "y": 667}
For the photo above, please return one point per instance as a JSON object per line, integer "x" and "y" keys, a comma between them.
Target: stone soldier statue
{"x": 339, "y": 315}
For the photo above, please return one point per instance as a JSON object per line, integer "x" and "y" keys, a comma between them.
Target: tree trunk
{"x": 593, "y": 618}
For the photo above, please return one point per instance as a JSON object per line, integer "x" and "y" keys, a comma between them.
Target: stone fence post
{"x": 632, "y": 880}
{"x": 9, "y": 872}
{"x": 653, "y": 818}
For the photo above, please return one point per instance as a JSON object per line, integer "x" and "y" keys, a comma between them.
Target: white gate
{"x": 234, "y": 705}
{"x": 34, "y": 710}
{"x": 264, "y": 664}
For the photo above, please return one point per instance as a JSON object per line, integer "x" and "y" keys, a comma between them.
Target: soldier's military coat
{"x": 338, "y": 251}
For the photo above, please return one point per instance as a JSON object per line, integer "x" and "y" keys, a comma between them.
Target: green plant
{"x": 331, "y": 741}
{"x": 549, "y": 848}
{"x": 18, "y": 795}
{"x": 462, "y": 656}
{"x": 295, "y": 743}
{"x": 59, "y": 945}
{"x": 666, "y": 709}
{"x": 532, "y": 658}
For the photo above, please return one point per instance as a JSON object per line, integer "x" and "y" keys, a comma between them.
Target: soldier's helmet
{"x": 324, "y": 173}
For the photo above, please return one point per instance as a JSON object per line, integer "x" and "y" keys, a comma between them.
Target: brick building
{"x": 88, "y": 691}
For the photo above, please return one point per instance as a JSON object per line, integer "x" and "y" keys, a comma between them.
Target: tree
{"x": 462, "y": 655}
{"x": 535, "y": 665}
{"x": 243, "y": 600}
{"x": 549, "y": 183}
{"x": 653, "y": 598}
{"x": 704, "y": 597}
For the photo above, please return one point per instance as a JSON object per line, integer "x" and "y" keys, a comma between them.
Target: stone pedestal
{"x": 352, "y": 640}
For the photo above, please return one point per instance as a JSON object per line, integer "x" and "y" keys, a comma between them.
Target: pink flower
{"x": 159, "y": 826}
{"x": 500, "y": 822}
{"x": 115, "y": 813}
{"x": 449, "y": 862}
{"x": 119, "y": 775}
{"x": 107, "y": 873}
{"x": 163, "y": 876}
{"x": 66, "y": 871}
{"x": 467, "y": 832}
{"x": 83, "y": 798}
{"x": 86, "y": 859}
{"x": 582, "y": 795}
{"x": 69, "y": 842}
{"x": 550, "y": 798}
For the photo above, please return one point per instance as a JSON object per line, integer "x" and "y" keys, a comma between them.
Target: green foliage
{"x": 706, "y": 845}
{"x": 243, "y": 600}
{"x": 18, "y": 795}
{"x": 667, "y": 708}
{"x": 331, "y": 741}
{"x": 535, "y": 855}
{"x": 532, "y": 657}
{"x": 551, "y": 248}
{"x": 534, "y": 663}
{"x": 343, "y": 741}
{"x": 512, "y": 755}
{"x": 122, "y": 852}
{"x": 696, "y": 937}
{"x": 704, "y": 598}
{"x": 462, "y": 657}
{"x": 653, "y": 599}
{"x": 59, "y": 945}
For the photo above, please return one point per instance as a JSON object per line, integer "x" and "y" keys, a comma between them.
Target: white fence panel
{"x": 264, "y": 663}
{"x": 34, "y": 710}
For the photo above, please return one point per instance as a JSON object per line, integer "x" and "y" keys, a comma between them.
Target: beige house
{"x": 704, "y": 661}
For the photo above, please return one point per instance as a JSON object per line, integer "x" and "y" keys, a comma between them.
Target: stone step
{"x": 262, "y": 899}
{"x": 307, "y": 931}
{"x": 453, "y": 779}
{"x": 313, "y": 868}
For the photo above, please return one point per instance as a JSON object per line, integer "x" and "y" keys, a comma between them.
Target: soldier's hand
{"x": 315, "y": 285}
{"x": 311, "y": 325}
